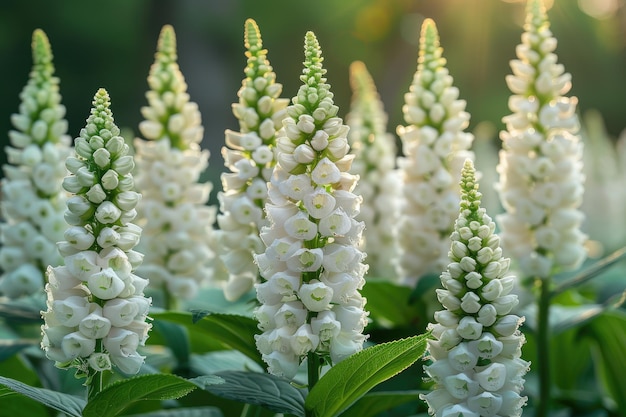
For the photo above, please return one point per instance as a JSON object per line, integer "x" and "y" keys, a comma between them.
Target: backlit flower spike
{"x": 434, "y": 146}
{"x": 176, "y": 220}
{"x": 250, "y": 156}
{"x": 33, "y": 201}
{"x": 374, "y": 163}
{"x": 476, "y": 365}
{"x": 96, "y": 309}
{"x": 541, "y": 179}
{"x": 312, "y": 267}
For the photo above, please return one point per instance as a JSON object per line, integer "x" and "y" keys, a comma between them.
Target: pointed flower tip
{"x": 167, "y": 40}
{"x": 42, "y": 52}
{"x": 536, "y": 14}
{"x": 360, "y": 79}
{"x": 252, "y": 35}
{"x": 429, "y": 31}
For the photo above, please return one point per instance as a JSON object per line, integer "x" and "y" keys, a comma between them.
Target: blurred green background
{"x": 111, "y": 44}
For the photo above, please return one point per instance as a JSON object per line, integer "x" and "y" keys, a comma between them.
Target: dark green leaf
{"x": 388, "y": 303}
{"x": 13, "y": 404}
{"x": 274, "y": 393}
{"x": 176, "y": 339}
{"x": 609, "y": 334}
{"x": 233, "y": 331}
{"x": 350, "y": 379}
{"x": 375, "y": 402}
{"x": 65, "y": 403}
{"x": 184, "y": 412}
{"x": 118, "y": 396}
{"x": 578, "y": 316}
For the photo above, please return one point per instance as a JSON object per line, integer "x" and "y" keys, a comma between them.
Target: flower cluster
{"x": 249, "y": 154}
{"x": 312, "y": 267}
{"x": 374, "y": 163}
{"x": 33, "y": 201}
{"x": 97, "y": 312}
{"x": 434, "y": 146}
{"x": 177, "y": 224}
{"x": 541, "y": 180}
{"x": 476, "y": 368}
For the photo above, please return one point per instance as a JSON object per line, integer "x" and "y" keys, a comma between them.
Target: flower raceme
{"x": 33, "y": 201}
{"x": 249, "y": 154}
{"x": 375, "y": 159}
{"x": 177, "y": 224}
{"x": 96, "y": 315}
{"x": 313, "y": 270}
{"x": 541, "y": 180}
{"x": 434, "y": 147}
{"x": 476, "y": 364}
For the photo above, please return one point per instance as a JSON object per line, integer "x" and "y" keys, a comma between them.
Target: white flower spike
{"x": 95, "y": 296}
{"x": 473, "y": 372}
{"x": 434, "y": 146}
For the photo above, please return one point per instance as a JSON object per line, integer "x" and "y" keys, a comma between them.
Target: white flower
{"x": 434, "y": 147}
{"x": 477, "y": 344}
{"x": 312, "y": 268}
{"x": 95, "y": 299}
{"x": 177, "y": 223}
{"x": 541, "y": 145}
{"x": 31, "y": 190}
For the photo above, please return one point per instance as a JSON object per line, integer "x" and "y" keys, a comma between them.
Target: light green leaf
{"x": 65, "y": 403}
{"x": 116, "y": 397}
{"x": 233, "y": 331}
{"x": 376, "y": 402}
{"x": 350, "y": 379}
{"x": 274, "y": 393}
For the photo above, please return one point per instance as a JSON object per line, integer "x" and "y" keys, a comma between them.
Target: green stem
{"x": 95, "y": 386}
{"x": 543, "y": 346}
{"x": 313, "y": 374}
{"x": 250, "y": 410}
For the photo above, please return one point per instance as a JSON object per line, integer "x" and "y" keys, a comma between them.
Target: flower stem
{"x": 95, "y": 386}
{"x": 313, "y": 374}
{"x": 543, "y": 346}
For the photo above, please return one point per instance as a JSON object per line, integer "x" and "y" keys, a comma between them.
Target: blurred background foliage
{"x": 111, "y": 44}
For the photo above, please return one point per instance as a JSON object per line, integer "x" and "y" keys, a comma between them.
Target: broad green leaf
{"x": 224, "y": 360}
{"x": 233, "y": 331}
{"x": 351, "y": 378}
{"x": 26, "y": 310}
{"x": 176, "y": 339}
{"x": 68, "y": 404}
{"x": 272, "y": 392}
{"x": 586, "y": 313}
{"x": 13, "y": 404}
{"x": 116, "y": 397}
{"x": 376, "y": 402}
{"x": 388, "y": 303}
{"x": 609, "y": 334}
{"x": 184, "y": 412}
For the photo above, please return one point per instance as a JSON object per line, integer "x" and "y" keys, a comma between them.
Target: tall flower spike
{"x": 476, "y": 368}
{"x": 541, "y": 180}
{"x": 374, "y": 163}
{"x": 313, "y": 270}
{"x": 33, "y": 201}
{"x": 97, "y": 312}
{"x": 249, "y": 154}
{"x": 434, "y": 147}
{"x": 177, "y": 222}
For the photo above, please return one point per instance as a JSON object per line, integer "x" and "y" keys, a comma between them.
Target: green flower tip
{"x": 360, "y": 80}
{"x": 42, "y": 52}
{"x": 313, "y": 71}
{"x": 166, "y": 45}
{"x": 252, "y": 37}
{"x": 470, "y": 196}
{"x": 101, "y": 114}
{"x": 430, "y": 52}
{"x": 536, "y": 15}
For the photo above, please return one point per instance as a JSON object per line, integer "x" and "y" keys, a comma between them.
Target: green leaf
{"x": 116, "y": 397}
{"x": 609, "y": 334}
{"x": 65, "y": 403}
{"x": 388, "y": 303}
{"x": 184, "y": 412}
{"x": 14, "y": 404}
{"x": 232, "y": 331}
{"x": 376, "y": 402}
{"x": 272, "y": 392}
{"x": 584, "y": 314}
{"x": 176, "y": 339}
{"x": 26, "y": 310}
{"x": 351, "y": 378}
